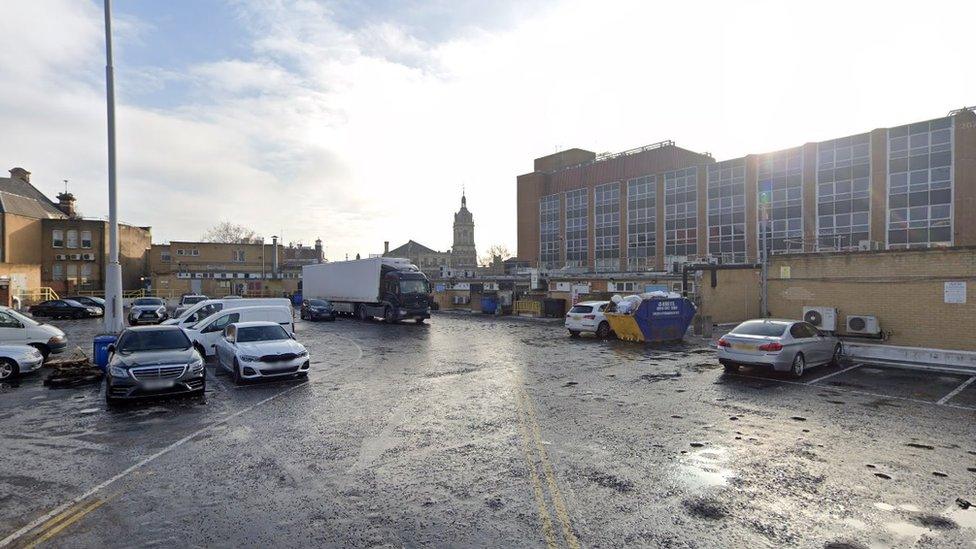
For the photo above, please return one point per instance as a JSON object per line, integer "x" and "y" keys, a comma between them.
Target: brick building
{"x": 911, "y": 186}
{"x": 218, "y": 269}
{"x": 69, "y": 251}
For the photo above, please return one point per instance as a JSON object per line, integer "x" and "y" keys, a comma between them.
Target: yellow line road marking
{"x": 66, "y": 523}
{"x": 540, "y": 498}
{"x": 557, "y": 498}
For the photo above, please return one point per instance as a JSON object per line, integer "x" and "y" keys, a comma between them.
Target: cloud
{"x": 360, "y": 123}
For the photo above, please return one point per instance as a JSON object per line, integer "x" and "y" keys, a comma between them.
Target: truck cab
{"x": 405, "y": 292}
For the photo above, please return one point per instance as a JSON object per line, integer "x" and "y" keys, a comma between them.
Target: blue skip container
{"x": 100, "y": 349}
{"x": 655, "y": 320}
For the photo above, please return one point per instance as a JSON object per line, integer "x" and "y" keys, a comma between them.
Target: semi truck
{"x": 390, "y": 288}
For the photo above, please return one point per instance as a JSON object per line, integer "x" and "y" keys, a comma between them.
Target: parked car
{"x": 588, "y": 316}
{"x": 153, "y": 361}
{"x": 262, "y": 349}
{"x": 317, "y": 309}
{"x": 18, "y": 329}
{"x": 18, "y": 359}
{"x": 88, "y": 301}
{"x": 205, "y": 308}
{"x": 147, "y": 310}
{"x": 188, "y": 301}
{"x": 780, "y": 345}
{"x": 64, "y": 308}
{"x": 208, "y": 331}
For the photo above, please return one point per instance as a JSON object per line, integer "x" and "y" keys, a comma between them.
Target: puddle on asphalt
{"x": 705, "y": 467}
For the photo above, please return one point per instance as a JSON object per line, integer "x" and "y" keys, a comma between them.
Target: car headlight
{"x": 249, "y": 358}
{"x": 303, "y": 353}
{"x": 57, "y": 340}
{"x": 195, "y": 365}
{"x": 115, "y": 371}
{"x": 161, "y": 310}
{"x": 34, "y": 353}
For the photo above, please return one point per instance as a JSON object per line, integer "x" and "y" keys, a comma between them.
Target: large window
{"x": 57, "y": 238}
{"x": 920, "y": 184}
{"x": 549, "y": 231}
{"x": 681, "y": 214}
{"x": 576, "y": 227}
{"x": 606, "y": 227}
{"x": 72, "y": 240}
{"x": 57, "y": 271}
{"x": 727, "y": 211}
{"x": 780, "y": 196}
{"x": 843, "y": 192}
{"x": 86, "y": 272}
{"x": 641, "y": 217}
{"x": 86, "y": 239}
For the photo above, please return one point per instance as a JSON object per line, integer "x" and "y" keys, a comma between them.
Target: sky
{"x": 359, "y": 122}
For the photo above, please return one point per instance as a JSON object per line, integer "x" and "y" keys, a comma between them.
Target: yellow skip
{"x": 625, "y": 326}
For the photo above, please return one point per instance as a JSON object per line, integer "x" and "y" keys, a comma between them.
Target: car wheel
{"x": 418, "y": 320}
{"x": 8, "y": 369}
{"x": 731, "y": 368}
{"x": 237, "y": 373}
{"x": 603, "y": 330}
{"x": 837, "y": 356}
{"x": 362, "y": 313}
{"x": 798, "y": 366}
{"x": 574, "y": 333}
{"x": 45, "y": 352}
{"x": 388, "y": 315}
{"x": 301, "y": 315}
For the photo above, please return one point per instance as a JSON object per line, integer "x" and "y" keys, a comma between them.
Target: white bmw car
{"x": 260, "y": 349}
{"x": 18, "y": 359}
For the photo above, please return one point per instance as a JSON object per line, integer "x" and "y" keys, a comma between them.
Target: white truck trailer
{"x": 386, "y": 287}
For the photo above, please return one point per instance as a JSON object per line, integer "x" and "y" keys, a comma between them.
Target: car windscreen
{"x": 26, "y": 320}
{"x": 260, "y": 333}
{"x": 767, "y": 329}
{"x": 152, "y": 340}
{"x": 413, "y": 287}
{"x": 318, "y": 303}
{"x": 73, "y": 303}
{"x": 147, "y": 301}
{"x": 581, "y": 309}
{"x": 193, "y": 300}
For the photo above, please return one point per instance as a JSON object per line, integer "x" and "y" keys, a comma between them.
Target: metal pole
{"x": 764, "y": 283}
{"x": 113, "y": 272}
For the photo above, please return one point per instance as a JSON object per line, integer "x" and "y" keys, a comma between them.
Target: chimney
{"x": 66, "y": 203}
{"x": 21, "y": 174}
{"x": 386, "y": 247}
{"x": 274, "y": 258}
{"x": 319, "y": 253}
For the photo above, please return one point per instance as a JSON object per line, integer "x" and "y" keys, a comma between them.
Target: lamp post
{"x": 113, "y": 272}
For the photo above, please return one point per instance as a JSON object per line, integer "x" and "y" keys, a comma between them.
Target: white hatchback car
{"x": 587, "y": 316}
{"x": 18, "y": 359}
{"x": 260, "y": 349}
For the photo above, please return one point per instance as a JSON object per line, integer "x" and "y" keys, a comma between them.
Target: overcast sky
{"x": 359, "y": 122}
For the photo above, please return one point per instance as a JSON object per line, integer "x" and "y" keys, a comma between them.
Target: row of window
{"x": 918, "y": 202}
{"x": 70, "y": 239}
{"x": 72, "y": 272}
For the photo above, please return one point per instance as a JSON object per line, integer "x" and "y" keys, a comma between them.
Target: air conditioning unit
{"x": 824, "y": 318}
{"x": 60, "y": 257}
{"x": 869, "y": 245}
{"x": 76, "y": 257}
{"x": 863, "y": 324}
{"x": 88, "y": 257}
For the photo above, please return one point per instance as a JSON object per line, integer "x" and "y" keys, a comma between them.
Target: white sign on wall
{"x": 955, "y": 291}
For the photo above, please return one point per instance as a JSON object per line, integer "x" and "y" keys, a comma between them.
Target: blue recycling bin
{"x": 100, "y": 349}
{"x": 296, "y": 299}
{"x": 489, "y": 304}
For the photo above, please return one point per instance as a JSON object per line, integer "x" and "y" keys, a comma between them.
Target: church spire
{"x": 464, "y": 200}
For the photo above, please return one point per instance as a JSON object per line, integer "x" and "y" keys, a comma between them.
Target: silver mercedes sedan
{"x": 780, "y": 345}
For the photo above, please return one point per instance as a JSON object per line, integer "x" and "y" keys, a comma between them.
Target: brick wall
{"x": 734, "y": 298}
{"x": 903, "y": 289}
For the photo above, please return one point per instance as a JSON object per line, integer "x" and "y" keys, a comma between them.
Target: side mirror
{"x": 111, "y": 348}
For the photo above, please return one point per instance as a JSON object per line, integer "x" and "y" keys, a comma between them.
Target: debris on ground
{"x": 74, "y": 371}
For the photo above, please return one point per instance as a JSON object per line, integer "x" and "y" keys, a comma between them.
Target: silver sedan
{"x": 781, "y": 345}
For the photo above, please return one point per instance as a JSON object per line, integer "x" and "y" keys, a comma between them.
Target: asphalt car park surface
{"x": 475, "y": 431}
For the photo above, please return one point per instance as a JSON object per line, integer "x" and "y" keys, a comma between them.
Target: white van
{"x": 205, "y": 333}
{"x": 199, "y": 311}
{"x": 17, "y": 329}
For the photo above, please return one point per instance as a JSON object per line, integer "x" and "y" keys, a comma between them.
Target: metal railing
{"x": 35, "y": 295}
{"x": 528, "y": 307}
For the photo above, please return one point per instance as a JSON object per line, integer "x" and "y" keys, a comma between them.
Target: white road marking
{"x": 145, "y": 461}
{"x": 957, "y": 390}
{"x": 838, "y": 372}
